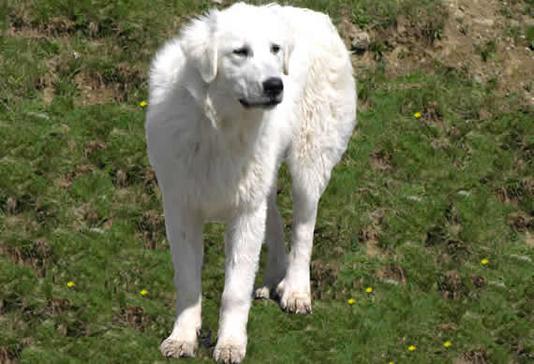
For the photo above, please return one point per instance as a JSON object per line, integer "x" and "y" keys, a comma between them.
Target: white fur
{"x": 217, "y": 160}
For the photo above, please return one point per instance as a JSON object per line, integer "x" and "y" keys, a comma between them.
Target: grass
{"x": 412, "y": 210}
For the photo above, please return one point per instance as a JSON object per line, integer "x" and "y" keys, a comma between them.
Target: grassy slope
{"x": 411, "y": 211}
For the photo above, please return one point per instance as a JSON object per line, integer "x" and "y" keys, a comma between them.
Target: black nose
{"x": 273, "y": 86}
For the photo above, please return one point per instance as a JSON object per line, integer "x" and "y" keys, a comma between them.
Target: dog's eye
{"x": 275, "y": 48}
{"x": 242, "y": 52}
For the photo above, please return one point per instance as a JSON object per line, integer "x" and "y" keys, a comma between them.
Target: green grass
{"x": 411, "y": 211}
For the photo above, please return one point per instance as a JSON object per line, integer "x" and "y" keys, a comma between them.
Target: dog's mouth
{"x": 264, "y": 103}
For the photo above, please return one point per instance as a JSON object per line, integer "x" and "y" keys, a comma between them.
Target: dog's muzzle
{"x": 273, "y": 92}
{"x": 273, "y": 87}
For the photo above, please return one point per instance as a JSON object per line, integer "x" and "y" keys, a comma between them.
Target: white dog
{"x": 238, "y": 92}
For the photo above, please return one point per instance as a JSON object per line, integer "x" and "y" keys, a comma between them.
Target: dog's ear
{"x": 288, "y": 49}
{"x": 289, "y": 45}
{"x": 199, "y": 46}
{"x": 283, "y": 26}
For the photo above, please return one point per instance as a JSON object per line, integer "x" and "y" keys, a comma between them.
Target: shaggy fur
{"x": 216, "y": 139}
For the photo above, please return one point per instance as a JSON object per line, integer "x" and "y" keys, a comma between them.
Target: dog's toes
{"x": 293, "y": 300}
{"x": 299, "y": 303}
{"x": 262, "y": 293}
{"x": 177, "y": 348}
{"x": 229, "y": 353}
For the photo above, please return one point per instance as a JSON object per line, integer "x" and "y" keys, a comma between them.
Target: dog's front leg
{"x": 184, "y": 231}
{"x": 243, "y": 243}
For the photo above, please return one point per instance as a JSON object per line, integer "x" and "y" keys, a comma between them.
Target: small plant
{"x": 487, "y": 50}
{"x": 530, "y": 37}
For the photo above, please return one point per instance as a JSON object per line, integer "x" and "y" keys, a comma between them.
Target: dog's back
{"x": 325, "y": 104}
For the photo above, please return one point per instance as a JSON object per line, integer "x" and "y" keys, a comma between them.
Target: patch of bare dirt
{"x": 66, "y": 180}
{"x": 151, "y": 225}
{"x": 74, "y": 329}
{"x": 56, "y": 306}
{"x": 521, "y": 221}
{"x": 516, "y": 191}
{"x": 46, "y": 83}
{"x": 23, "y": 24}
{"x": 25, "y": 32}
{"x": 93, "y": 89}
{"x": 393, "y": 274}
{"x": 381, "y": 161}
{"x": 477, "y": 39}
{"x": 446, "y": 239}
{"x": 110, "y": 86}
{"x": 370, "y": 234}
{"x": 323, "y": 276}
{"x": 93, "y": 146}
{"x": 37, "y": 255}
{"x": 349, "y": 32}
{"x": 402, "y": 47}
{"x": 482, "y": 38}
{"x": 451, "y": 286}
{"x": 11, "y": 205}
{"x": 478, "y": 281}
{"x": 149, "y": 178}
{"x": 133, "y": 316}
{"x": 87, "y": 216}
{"x": 473, "y": 357}
{"x": 9, "y": 354}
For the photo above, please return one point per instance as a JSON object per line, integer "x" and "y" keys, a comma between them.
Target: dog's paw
{"x": 262, "y": 293}
{"x": 267, "y": 290}
{"x": 294, "y": 301}
{"x": 229, "y": 352}
{"x": 178, "y": 348}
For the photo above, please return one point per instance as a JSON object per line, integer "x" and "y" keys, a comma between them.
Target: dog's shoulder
{"x": 167, "y": 67}
{"x": 304, "y": 19}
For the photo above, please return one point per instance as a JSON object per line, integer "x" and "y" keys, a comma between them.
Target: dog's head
{"x": 241, "y": 53}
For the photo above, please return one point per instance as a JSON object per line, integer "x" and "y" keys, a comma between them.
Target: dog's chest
{"x": 223, "y": 176}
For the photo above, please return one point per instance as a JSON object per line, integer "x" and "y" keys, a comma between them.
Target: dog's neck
{"x": 239, "y": 130}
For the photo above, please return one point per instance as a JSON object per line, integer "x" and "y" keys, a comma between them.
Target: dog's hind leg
{"x": 308, "y": 183}
{"x": 275, "y": 269}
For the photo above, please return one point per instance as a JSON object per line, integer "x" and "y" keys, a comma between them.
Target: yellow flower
{"x": 71, "y": 284}
{"x": 143, "y": 292}
{"x": 447, "y": 344}
{"x": 369, "y": 290}
{"x": 411, "y": 348}
{"x": 484, "y": 261}
{"x": 143, "y": 104}
{"x": 417, "y": 115}
{"x": 351, "y": 301}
